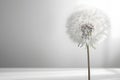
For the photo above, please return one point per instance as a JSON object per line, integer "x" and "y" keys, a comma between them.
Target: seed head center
{"x": 87, "y": 30}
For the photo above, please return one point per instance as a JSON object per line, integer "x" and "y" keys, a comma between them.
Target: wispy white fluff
{"x": 91, "y": 18}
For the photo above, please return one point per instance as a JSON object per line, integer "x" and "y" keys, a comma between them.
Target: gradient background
{"x": 33, "y": 34}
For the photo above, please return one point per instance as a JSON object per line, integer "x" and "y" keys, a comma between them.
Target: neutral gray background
{"x": 33, "y": 34}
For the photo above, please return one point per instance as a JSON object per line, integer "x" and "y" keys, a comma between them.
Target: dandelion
{"x": 88, "y": 26}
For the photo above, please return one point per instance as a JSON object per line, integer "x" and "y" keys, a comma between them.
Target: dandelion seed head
{"x": 88, "y": 26}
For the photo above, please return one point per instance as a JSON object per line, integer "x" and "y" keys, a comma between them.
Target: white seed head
{"x": 88, "y": 26}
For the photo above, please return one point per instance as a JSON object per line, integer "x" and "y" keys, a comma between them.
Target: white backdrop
{"x": 33, "y": 34}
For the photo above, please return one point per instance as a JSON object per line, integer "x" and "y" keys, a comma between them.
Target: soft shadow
{"x": 116, "y": 51}
{"x": 116, "y": 61}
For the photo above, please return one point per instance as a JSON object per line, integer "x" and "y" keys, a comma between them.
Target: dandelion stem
{"x": 88, "y": 58}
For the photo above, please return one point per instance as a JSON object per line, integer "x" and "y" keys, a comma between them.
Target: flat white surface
{"x": 58, "y": 74}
